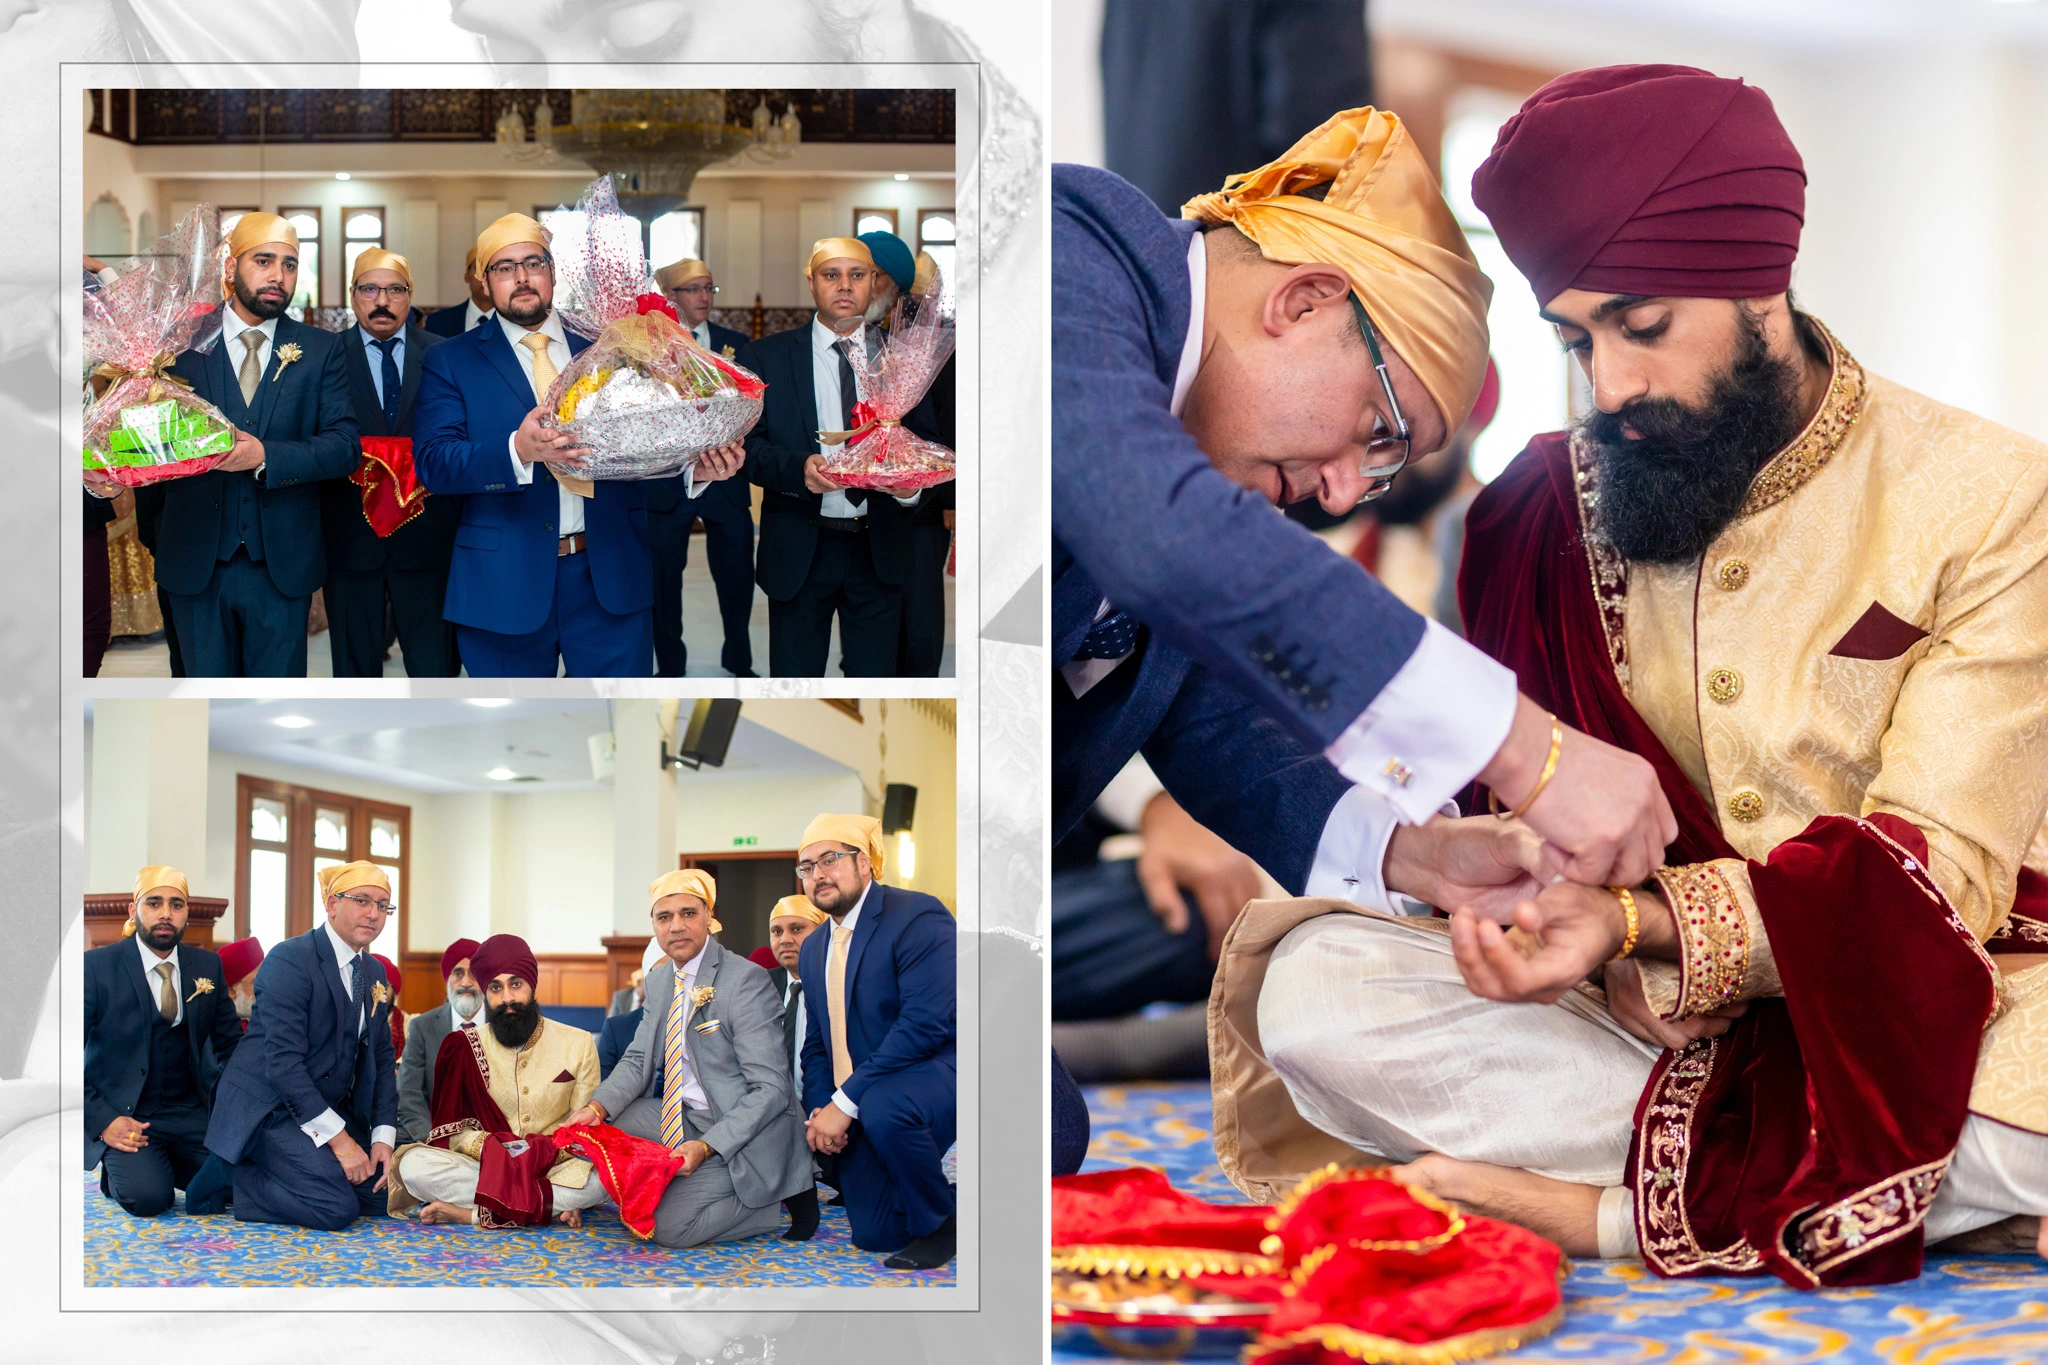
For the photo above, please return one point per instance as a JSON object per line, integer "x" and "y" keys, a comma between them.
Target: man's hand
{"x": 125, "y": 1135}
{"x": 694, "y": 1154}
{"x": 1182, "y": 855}
{"x": 827, "y": 1128}
{"x": 380, "y": 1162}
{"x": 246, "y": 454}
{"x": 1555, "y": 943}
{"x": 100, "y": 485}
{"x": 589, "y": 1114}
{"x": 1631, "y": 1009}
{"x": 947, "y": 518}
{"x": 720, "y": 462}
{"x": 1485, "y": 864}
{"x": 536, "y": 444}
{"x": 815, "y": 477}
{"x": 355, "y": 1164}
{"x": 1602, "y": 810}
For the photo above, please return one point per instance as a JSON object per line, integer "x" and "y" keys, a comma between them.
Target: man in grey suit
{"x": 707, "y": 1075}
{"x": 423, "y": 1035}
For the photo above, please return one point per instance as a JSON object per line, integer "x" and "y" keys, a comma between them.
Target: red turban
{"x": 390, "y": 970}
{"x": 455, "y": 952}
{"x": 1663, "y": 180}
{"x": 1489, "y": 401}
{"x": 239, "y": 959}
{"x": 502, "y": 953}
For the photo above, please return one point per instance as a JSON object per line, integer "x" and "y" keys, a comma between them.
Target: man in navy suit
{"x": 725, "y": 508}
{"x": 306, "y": 1112}
{"x": 826, "y": 550}
{"x": 879, "y": 1083}
{"x": 548, "y": 570}
{"x": 384, "y": 355}
{"x": 239, "y": 548}
{"x": 158, "y": 1027}
{"x": 453, "y": 322}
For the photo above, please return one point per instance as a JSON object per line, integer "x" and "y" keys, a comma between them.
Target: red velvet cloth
{"x": 1860, "y": 1076}
{"x": 512, "y": 1186}
{"x": 1646, "y": 180}
{"x": 392, "y": 491}
{"x": 462, "y": 1094}
{"x": 1141, "y": 1208}
{"x": 635, "y": 1172}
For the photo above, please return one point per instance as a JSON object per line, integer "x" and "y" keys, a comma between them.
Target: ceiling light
{"x": 488, "y": 701}
{"x": 501, "y": 774}
{"x": 341, "y": 175}
{"x": 292, "y": 722}
{"x": 901, "y": 176}
{"x": 906, "y": 857}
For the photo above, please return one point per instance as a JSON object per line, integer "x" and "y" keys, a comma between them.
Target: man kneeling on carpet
{"x": 520, "y": 1076}
{"x": 707, "y": 1077}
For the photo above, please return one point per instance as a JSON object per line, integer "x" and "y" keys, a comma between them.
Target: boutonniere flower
{"x": 728, "y": 353}
{"x": 380, "y": 992}
{"x": 700, "y": 996}
{"x": 200, "y": 986}
{"x": 286, "y": 354}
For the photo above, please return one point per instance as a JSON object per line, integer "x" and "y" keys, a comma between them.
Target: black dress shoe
{"x": 927, "y": 1253}
{"x": 803, "y": 1216}
{"x": 743, "y": 672}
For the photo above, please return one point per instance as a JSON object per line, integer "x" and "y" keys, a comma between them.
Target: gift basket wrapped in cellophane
{"x": 880, "y": 452}
{"x": 644, "y": 399}
{"x": 147, "y": 424}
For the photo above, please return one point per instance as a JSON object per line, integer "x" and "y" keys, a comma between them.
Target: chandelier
{"x": 653, "y": 142}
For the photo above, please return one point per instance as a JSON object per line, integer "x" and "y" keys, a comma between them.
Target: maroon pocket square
{"x": 1878, "y": 634}
{"x": 564, "y": 1078}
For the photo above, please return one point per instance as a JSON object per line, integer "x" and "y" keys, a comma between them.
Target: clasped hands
{"x": 827, "y": 1128}
{"x": 539, "y": 444}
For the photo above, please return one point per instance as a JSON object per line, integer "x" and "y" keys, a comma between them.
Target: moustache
{"x": 383, "y": 313}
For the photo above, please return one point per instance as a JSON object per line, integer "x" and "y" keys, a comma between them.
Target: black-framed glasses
{"x": 505, "y": 270}
{"x": 695, "y": 289}
{"x": 397, "y": 293}
{"x": 384, "y": 907}
{"x": 824, "y": 863}
{"x": 1385, "y": 456}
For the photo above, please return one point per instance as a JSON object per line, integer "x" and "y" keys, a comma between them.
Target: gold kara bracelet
{"x": 1542, "y": 778}
{"x": 1635, "y": 924}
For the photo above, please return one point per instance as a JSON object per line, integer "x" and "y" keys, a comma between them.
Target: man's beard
{"x": 245, "y": 1005}
{"x": 530, "y": 314}
{"x": 879, "y": 306}
{"x": 513, "y": 1024}
{"x": 1666, "y": 497}
{"x": 457, "y": 998}
{"x": 260, "y": 307}
{"x": 164, "y": 937}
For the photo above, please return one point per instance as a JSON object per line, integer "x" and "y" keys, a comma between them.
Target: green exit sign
{"x": 744, "y": 841}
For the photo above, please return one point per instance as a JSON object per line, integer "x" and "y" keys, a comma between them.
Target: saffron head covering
{"x": 837, "y": 249}
{"x": 346, "y": 877}
{"x": 159, "y": 875}
{"x": 796, "y": 907}
{"x": 377, "y": 258}
{"x": 452, "y": 956}
{"x": 238, "y": 959}
{"x": 1385, "y": 224}
{"x": 502, "y": 953}
{"x": 511, "y": 230}
{"x": 1664, "y": 180}
{"x": 469, "y": 260}
{"x": 689, "y": 881}
{"x": 927, "y": 271}
{"x": 252, "y": 230}
{"x": 863, "y": 832}
{"x": 682, "y": 272}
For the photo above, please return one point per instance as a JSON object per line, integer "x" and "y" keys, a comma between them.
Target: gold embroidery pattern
{"x": 2020, "y": 928}
{"x": 1746, "y": 805}
{"x": 483, "y": 1066}
{"x": 1377, "y": 1350}
{"x": 1666, "y": 1232}
{"x": 1713, "y": 937}
{"x": 1823, "y": 436}
{"x": 1609, "y": 570}
{"x": 1869, "y": 1218}
{"x": 1732, "y": 575}
{"x": 1168, "y": 1262}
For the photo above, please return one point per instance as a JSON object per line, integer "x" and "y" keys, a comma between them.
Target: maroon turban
{"x": 501, "y": 953}
{"x": 1662, "y": 180}
{"x": 238, "y": 959}
{"x": 456, "y": 951}
{"x": 390, "y": 971}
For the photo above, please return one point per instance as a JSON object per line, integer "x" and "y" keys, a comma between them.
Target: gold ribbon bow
{"x": 155, "y": 371}
{"x": 834, "y": 438}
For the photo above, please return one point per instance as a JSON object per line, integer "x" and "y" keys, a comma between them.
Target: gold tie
{"x": 252, "y": 368}
{"x": 544, "y": 373}
{"x": 167, "y": 1001}
{"x": 835, "y": 991}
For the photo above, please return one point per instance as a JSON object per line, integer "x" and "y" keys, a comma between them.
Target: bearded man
{"x": 520, "y": 1076}
{"x": 1817, "y": 603}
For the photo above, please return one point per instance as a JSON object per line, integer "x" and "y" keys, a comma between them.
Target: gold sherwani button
{"x": 1724, "y": 684}
{"x": 1732, "y": 574}
{"x": 1746, "y": 805}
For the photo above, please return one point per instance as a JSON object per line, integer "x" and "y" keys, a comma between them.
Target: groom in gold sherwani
{"x": 1818, "y": 603}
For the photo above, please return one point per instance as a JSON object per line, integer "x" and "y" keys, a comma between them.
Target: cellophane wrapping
{"x": 888, "y": 456}
{"x": 644, "y": 399}
{"x": 148, "y": 426}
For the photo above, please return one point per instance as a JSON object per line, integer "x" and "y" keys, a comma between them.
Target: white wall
{"x": 109, "y": 166}
{"x": 713, "y": 817}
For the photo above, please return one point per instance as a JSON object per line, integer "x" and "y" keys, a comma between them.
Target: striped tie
{"x": 676, "y": 1064}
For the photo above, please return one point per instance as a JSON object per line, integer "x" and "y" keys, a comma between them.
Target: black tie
{"x": 391, "y": 384}
{"x": 356, "y": 987}
{"x": 848, "y": 392}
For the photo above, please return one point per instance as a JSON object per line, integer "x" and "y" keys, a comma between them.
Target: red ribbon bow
{"x": 655, "y": 303}
{"x": 864, "y": 415}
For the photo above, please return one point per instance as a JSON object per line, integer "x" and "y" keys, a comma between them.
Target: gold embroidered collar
{"x": 1820, "y": 439}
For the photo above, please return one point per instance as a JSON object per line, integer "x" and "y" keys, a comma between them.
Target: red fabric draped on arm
{"x": 462, "y": 1092}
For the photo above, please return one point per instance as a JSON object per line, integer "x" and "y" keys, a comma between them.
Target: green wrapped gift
{"x": 164, "y": 433}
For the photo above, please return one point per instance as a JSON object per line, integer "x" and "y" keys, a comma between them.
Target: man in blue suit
{"x": 879, "y": 1083}
{"x": 725, "y": 508}
{"x": 548, "y": 571}
{"x": 453, "y": 322}
{"x": 158, "y": 1027}
{"x": 306, "y": 1113}
{"x": 239, "y": 548}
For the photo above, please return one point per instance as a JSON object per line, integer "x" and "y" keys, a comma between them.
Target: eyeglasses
{"x": 824, "y": 863}
{"x": 694, "y": 289}
{"x": 382, "y": 907}
{"x": 397, "y": 293}
{"x": 505, "y": 270}
{"x": 1385, "y": 456}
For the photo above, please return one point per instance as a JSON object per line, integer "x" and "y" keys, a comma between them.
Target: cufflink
{"x": 1397, "y": 772}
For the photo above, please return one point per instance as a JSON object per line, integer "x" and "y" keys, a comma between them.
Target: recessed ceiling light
{"x": 901, "y": 176}
{"x": 501, "y": 774}
{"x": 341, "y": 175}
{"x": 292, "y": 722}
{"x": 488, "y": 701}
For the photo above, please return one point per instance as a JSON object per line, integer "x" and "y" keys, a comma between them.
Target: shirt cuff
{"x": 1123, "y": 801}
{"x": 323, "y": 1127}
{"x": 846, "y": 1106}
{"x": 521, "y": 470}
{"x": 1351, "y": 856}
{"x": 385, "y": 1134}
{"x": 910, "y": 501}
{"x": 1432, "y": 728}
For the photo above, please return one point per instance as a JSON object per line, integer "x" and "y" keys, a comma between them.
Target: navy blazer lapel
{"x": 327, "y": 973}
{"x": 805, "y": 383}
{"x": 498, "y": 350}
{"x": 139, "y": 976}
{"x": 864, "y": 932}
{"x": 362, "y": 390}
{"x": 266, "y": 391}
{"x": 409, "y": 380}
{"x": 188, "y": 976}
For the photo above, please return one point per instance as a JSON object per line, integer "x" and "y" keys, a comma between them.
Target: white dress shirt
{"x": 702, "y": 332}
{"x": 686, "y": 981}
{"x": 1424, "y": 738}
{"x": 373, "y": 351}
{"x": 231, "y": 329}
{"x": 571, "y": 520}
{"x": 793, "y": 999}
{"x": 150, "y": 962}
{"x": 847, "y": 1106}
{"x": 472, "y": 315}
{"x": 825, "y": 385}
{"x": 323, "y": 1126}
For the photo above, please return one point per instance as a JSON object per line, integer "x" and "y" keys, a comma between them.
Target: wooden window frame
{"x": 923, "y": 214}
{"x": 300, "y": 804}
{"x": 319, "y": 240}
{"x": 893, "y": 215}
{"x": 347, "y": 241}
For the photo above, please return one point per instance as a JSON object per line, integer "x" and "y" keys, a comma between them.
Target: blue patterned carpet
{"x": 178, "y": 1250}
{"x": 1961, "y": 1309}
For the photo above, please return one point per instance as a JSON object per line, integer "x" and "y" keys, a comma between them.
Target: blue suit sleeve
{"x": 1214, "y": 569}
{"x": 925, "y": 987}
{"x": 227, "y": 1032}
{"x": 442, "y": 453}
{"x": 384, "y": 1105}
{"x": 609, "y": 1041}
{"x": 817, "y": 1055}
{"x": 334, "y": 449}
{"x": 284, "y": 1002}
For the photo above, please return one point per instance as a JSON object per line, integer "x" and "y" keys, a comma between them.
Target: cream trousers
{"x": 432, "y": 1173}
